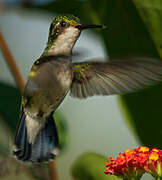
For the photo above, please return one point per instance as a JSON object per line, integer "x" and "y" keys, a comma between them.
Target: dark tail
{"x": 45, "y": 144}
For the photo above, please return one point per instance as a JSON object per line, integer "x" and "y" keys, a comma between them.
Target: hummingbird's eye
{"x": 63, "y": 23}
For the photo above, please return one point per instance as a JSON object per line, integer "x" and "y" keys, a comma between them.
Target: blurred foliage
{"x": 144, "y": 108}
{"x": 11, "y": 169}
{"x": 4, "y": 139}
{"x": 151, "y": 13}
{"x": 39, "y": 171}
{"x": 62, "y": 129}
{"x": 134, "y": 29}
{"x": 10, "y": 104}
{"x": 90, "y": 166}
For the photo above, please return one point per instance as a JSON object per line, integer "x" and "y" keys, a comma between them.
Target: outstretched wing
{"x": 117, "y": 77}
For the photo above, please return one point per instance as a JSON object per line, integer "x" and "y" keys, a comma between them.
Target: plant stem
{"x": 53, "y": 170}
{"x": 11, "y": 63}
{"x": 19, "y": 81}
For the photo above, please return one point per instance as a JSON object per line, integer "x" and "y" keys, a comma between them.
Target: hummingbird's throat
{"x": 63, "y": 43}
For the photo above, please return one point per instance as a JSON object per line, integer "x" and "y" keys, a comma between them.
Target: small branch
{"x": 53, "y": 170}
{"x": 11, "y": 63}
{"x": 19, "y": 81}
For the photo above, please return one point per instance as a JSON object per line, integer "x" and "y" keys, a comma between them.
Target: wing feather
{"x": 117, "y": 77}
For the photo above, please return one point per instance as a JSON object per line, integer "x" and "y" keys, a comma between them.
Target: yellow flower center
{"x": 153, "y": 156}
{"x": 143, "y": 149}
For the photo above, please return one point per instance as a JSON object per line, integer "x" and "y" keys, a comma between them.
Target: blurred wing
{"x": 117, "y": 77}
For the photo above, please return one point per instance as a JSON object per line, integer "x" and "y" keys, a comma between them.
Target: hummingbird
{"x": 54, "y": 74}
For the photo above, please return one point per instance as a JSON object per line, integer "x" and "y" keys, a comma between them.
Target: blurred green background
{"x": 101, "y": 125}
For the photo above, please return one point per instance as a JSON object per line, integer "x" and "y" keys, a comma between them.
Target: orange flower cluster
{"x": 134, "y": 163}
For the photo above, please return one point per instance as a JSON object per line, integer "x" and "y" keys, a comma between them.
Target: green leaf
{"x": 4, "y": 151}
{"x": 151, "y": 14}
{"x": 128, "y": 35}
{"x": 134, "y": 29}
{"x": 143, "y": 109}
{"x": 143, "y": 112}
{"x": 10, "y": 104}
{"x": 62, "y": 7}
{"x": 90, "y": 166}
{"x": 62, "y": 129}
{"x": 5, "y": 137}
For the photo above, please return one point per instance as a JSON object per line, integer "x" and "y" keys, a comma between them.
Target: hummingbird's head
{"x": 63, "y": 25}
{"x": 63, "y": 33}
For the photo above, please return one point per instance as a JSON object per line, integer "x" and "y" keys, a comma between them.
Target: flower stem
{"x": 19, "y": 81}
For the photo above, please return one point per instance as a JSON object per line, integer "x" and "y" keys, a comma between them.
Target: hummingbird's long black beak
{"x": 88, "y": 26}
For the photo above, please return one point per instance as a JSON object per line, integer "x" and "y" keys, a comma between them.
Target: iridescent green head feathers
{"x": 67, "y": 18}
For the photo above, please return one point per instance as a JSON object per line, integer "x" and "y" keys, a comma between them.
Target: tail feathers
{"x": 44, "y": 147}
